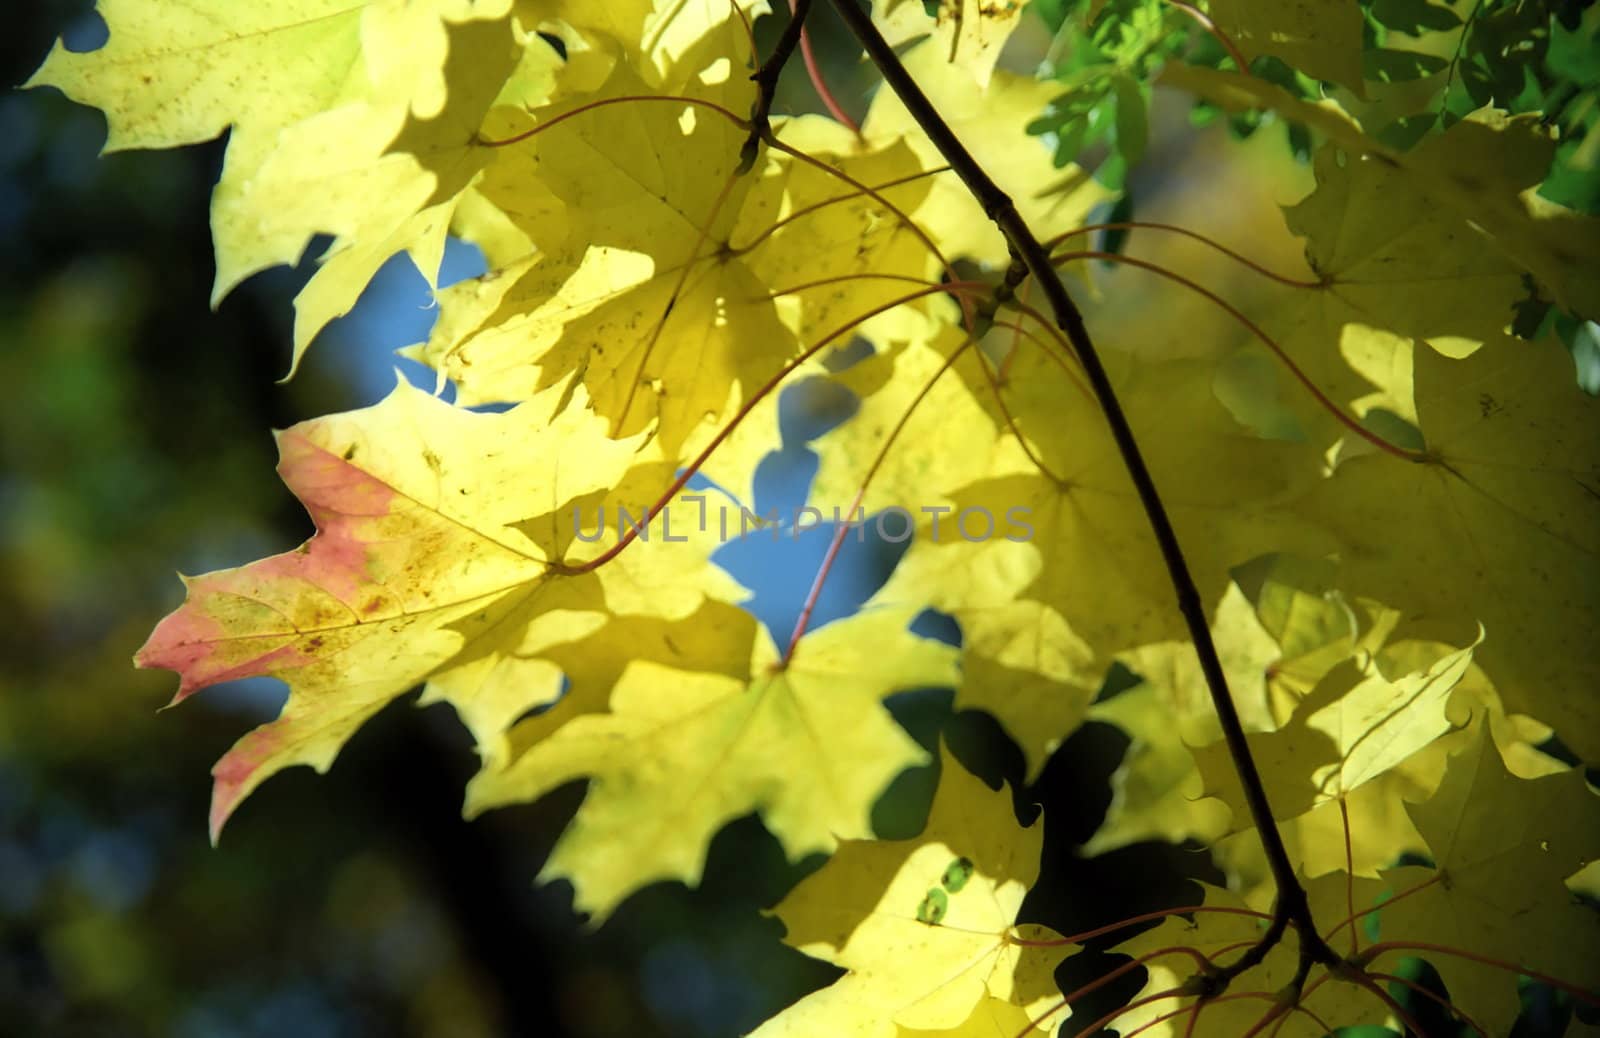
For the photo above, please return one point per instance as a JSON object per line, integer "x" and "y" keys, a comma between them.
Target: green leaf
{"x": 1133, "y": 129}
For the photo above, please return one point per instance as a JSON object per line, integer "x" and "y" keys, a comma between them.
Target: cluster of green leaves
{"x": 1389, "y": 502}
{"x": 1407, "y": 67}
{"x": 1106, "y": 67}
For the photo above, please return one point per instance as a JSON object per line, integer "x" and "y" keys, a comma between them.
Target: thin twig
{"x": 766, "y": 80}
{"x": 1205, "y": 22}
{"x": 820, "y": 84}
{"x": 1170, "y": 228}
{"x": 1322, "y": 399}
{"x": 1431, "y": 996}
{"x": 1371, "y": 955}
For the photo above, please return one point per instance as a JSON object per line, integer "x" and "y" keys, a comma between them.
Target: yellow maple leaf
{"x": 177, "y": 73}
{"x": 1362, "y": 829}
{"x": 991, "y": 1018}
{"x": 1486, "y": 169}
{"x": 634, "y": 294}
{"x": 1078, "y": 530}
{"x": 926, "y": 927}
{"x": 1354, "y": 726}
{"x": 622, "y": 22}
{"x": 1397, "y": 270}
{"x": 1221, "y": 486}
{"x": 161, "y": 74}
{"x": 315, "y": 92}
{"x": 921, "y": 466}
{"x": 1503, "y": 521}
{"x": 436, "y": 559}
{"x": 1502, "y": 849}
{"x": 686, "y": 288}
{"x": 822, "y": 229}
{"x": 383, "y": 181}
{"x": 1156, "y": 791}
{"x": 1022, "y": 661}
{"x": 807, "y": 743}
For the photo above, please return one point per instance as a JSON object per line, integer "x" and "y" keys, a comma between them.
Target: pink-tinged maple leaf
{"x": 436, "y": 528}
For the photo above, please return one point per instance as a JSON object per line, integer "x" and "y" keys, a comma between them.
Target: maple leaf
{"x": 438, "y": 536}
{"x": 1354, "y": 726}
{"x": 991, "y": 1018}
{"x": 1217, "y": 479}
{"x": 1510, "y": 515}
{"x": 1484, "y": 170}
{"x": 1298, "y": 606}
{"x": 1363, "y": 830}
{"x": 717, "y": 638}
{"x": 1022, "y": 663}
{"x": 1082, "y": 530}
{"x": 1502, "y": 848}
{"x": 923, "y": 464}
{"x": 1391, "y": 278}
{"x": 676, "y": 295}
{"x": 386, "y": 178}
{"x": 177, "y": 73}
{"x": 375, "y": 100}
{"x": 926, "y": 927}
{"x": 623, "y": 22}
{"x": 821, "y": 229}
{"x": 807, "y": 742}
{"x": 1156, "y": 790}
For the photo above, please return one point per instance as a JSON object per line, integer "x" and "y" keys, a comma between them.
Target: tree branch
{"x": 1292, "y": 906}
{"x": 766, "y": 79}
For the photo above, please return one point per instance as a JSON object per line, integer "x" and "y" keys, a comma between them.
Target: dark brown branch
{"x": 1291, "y": 906}
{"x": 766, "y": 79}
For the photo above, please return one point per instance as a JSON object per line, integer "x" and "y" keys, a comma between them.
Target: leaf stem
{"x": 1354, "y": 915}
{"x": 842, "y": 530}
{"x": 1501, "y": 964}
{"x": 1266, "y": 340}
{"x": 606, "y": 102}
{"x": 820, "y": 84}
{"x": 739, "y": 250}
{"x": 1122, "y": 924}
{"x": 1432, "y": 996}
{"x": 1349, "y": 873}
{"x": 1205, "y": 22}
{"x": 1170, "y": 228}
{"x": 1292, "y": 904}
